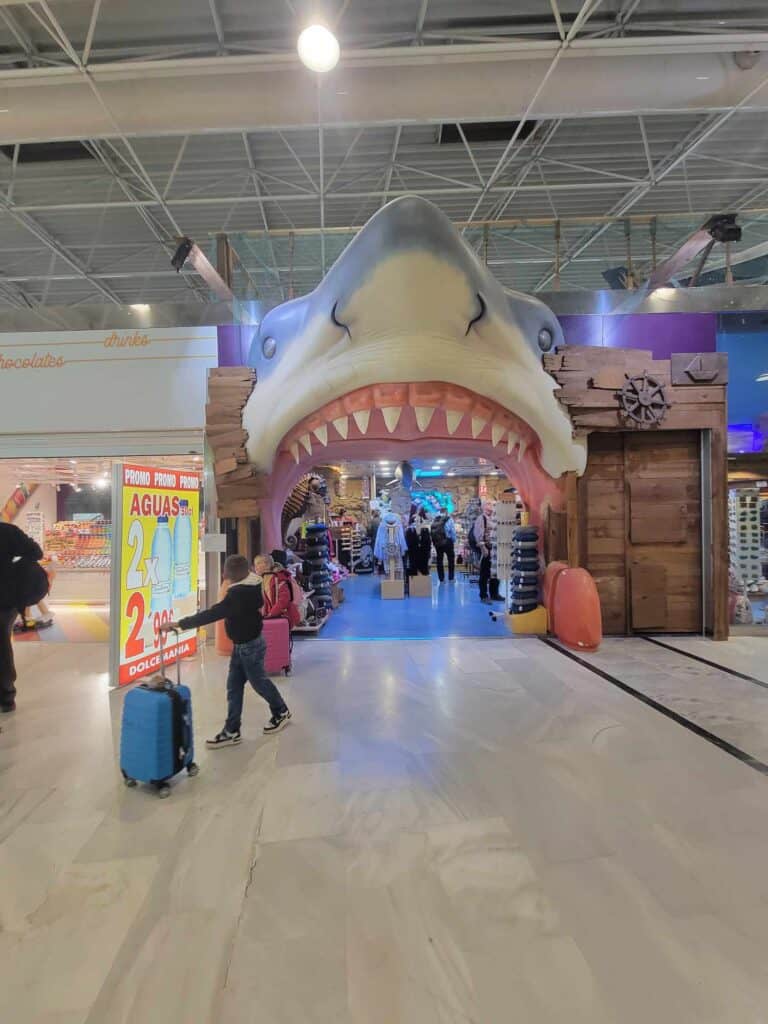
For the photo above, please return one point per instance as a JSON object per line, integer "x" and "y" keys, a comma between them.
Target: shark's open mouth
{"x": 430, "y": 410}
{"x": 411, "y": 420}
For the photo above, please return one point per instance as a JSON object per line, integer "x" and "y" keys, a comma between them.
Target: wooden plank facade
{"x": 635, "y": 516}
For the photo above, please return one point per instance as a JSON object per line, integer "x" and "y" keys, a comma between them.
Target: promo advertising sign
{"x": 155, "y": 573}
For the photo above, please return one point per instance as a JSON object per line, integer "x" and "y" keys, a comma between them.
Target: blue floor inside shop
{"x": 453, "y": 610}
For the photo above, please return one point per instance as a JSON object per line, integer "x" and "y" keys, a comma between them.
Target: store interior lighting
{"x": 318, "y": 49}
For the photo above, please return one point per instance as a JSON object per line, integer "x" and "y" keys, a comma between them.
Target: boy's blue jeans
{"x": 247, "y": 663}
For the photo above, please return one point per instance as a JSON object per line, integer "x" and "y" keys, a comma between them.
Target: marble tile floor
{"x": 449, "y": 832}
{"x": 731, "y": 708}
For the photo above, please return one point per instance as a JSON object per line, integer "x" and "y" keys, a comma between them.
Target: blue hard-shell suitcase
{"x": 157, "y": 740}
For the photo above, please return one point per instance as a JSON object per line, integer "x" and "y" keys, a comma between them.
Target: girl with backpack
{"x": 279, "y": 591}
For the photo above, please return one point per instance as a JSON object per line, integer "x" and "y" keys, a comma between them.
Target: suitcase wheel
{"x": 193, "y": 769}
{"x": 163, "y": 790}
{"x": 287, "y": 670}
{"x": 130, "y": 783}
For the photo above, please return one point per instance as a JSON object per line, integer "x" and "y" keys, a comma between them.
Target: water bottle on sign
{"x": 162, "y": 553}
{"x": 182, "y": 551}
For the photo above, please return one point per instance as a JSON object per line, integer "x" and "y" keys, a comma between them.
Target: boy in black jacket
{"x": 241, "y": 610}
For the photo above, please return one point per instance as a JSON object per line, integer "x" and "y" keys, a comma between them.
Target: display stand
{"x": 744, "y": 529}
{"x": 306, "y": 630}
{"x": 393, "y": 587}
{"x": 420, "y": 586}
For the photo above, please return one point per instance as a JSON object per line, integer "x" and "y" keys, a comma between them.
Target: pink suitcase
{"x": 278, "y": 657}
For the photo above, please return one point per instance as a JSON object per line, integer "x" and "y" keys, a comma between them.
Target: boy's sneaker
{"x": 224, "y": 739}
{"x": 277, "y": 722}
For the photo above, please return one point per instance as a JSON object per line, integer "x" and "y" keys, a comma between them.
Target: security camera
{"x": 183, "y": 250}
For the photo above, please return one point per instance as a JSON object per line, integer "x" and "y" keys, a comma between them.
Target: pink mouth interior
{"x": 400, "y": 421}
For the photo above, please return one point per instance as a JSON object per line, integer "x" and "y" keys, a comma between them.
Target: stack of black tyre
{"x": 316, "y": 567}
{"x": 526, "y": 570}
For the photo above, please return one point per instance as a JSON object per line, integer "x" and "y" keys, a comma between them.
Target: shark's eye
{"x": 546, "y": 339}
{"x": 268, "y": 347}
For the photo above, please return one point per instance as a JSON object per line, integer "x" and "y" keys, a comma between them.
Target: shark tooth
{"x": 362, "y": 418}
{"x": 342, "y": 425}
{"x": 424, "y": 414}
{"x": 522, "y": 449}
{"x": 511, "y": 441}
{"x": 497, "y": 432}
{"x": 321, "y": 433}
{"x": 391, "y": 414}
{"x": 295, "y": 452}
{"x": 453, "y": 419}
{"x": 305, "y": 443}
{"x": 478, "y": 425}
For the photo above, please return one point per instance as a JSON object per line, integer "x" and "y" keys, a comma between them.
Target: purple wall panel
{"x": 582, "y": 330}
{"x": 662, "y": 333}
{"x": 233, "y": 344}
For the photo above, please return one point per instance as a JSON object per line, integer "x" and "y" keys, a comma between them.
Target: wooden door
{"x": 663, "y": 476}
{"x": 640, "y": 511}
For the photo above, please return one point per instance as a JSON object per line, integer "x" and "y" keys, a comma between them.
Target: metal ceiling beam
{"x": 415, "y": 84}
{"x": 391, "y": 165}
{"x": 91, "y": 32}
{"x": 321, "y": 153}
{"x": 469, "y": 189}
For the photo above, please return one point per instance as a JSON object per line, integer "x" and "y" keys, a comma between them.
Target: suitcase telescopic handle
{"x": 162, "y": 656}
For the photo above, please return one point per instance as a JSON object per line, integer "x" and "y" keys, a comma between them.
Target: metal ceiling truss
{"x": 333, "y": 176}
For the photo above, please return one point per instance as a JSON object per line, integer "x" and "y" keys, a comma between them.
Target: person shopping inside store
{"x": 14, "y": 544}
{"x": 277, "y": 588}
{"x": 444, "y": 539}
{"x": 480, "y": 541}
{"x": 241, "y": 609}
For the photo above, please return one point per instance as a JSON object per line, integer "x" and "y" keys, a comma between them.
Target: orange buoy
{"x": 222, "y": 643}
{"x": 548, "y": 587}
{"x": 576, "y": 616}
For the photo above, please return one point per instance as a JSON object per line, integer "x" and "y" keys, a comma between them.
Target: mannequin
{"x": 419, "y": 540}
{"x": 390, "y": 544}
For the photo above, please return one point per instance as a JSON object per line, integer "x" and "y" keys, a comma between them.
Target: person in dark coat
{"x": 14, "y": 543}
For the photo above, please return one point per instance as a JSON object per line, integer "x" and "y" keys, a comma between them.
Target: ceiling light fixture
{"x": 140, "y": 307}
{"x": 318, "y": 49}
{"x": 441, "y": 462}
{"x": 762, "y": 378}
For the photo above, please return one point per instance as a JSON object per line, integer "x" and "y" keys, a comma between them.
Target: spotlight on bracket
{"x": 181, "y": 255}
{"x": 723, "y": 228}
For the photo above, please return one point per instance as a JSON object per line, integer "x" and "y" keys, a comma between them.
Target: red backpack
{"x": 271, "y": 589}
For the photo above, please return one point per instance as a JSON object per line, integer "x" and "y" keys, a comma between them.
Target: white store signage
{"x": 111, "y": 381}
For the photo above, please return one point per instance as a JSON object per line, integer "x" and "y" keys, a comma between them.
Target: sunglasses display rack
{"x": 744, "y": 529}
